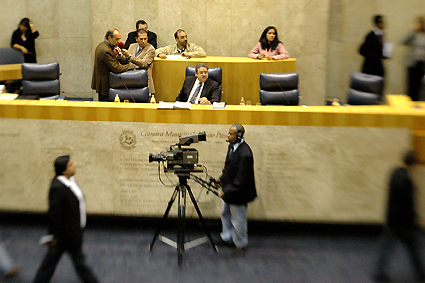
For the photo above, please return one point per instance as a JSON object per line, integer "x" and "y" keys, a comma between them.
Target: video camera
{"x": 178, "y": 158}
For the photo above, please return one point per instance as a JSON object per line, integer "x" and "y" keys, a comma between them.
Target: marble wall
{"x": 323, "y": 35}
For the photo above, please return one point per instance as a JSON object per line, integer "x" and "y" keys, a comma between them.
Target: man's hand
{"x": 185, "y": 54}
{"x": 119, "y": 51}
{"x": 203, "y": 100}
{"x": 220, "y": 194}
{"x": 126, "y": 53}
{"x": 217, "y": 182}
{"x": 162, "y": 56}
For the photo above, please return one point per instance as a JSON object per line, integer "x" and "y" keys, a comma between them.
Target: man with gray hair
{"x": 199, "y": 89}
{"x": 182, "y": 47}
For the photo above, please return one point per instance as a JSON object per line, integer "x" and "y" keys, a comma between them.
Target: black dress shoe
{"x": 227, "y": 243}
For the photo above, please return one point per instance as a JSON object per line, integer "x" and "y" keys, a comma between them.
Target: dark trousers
{"x": 415, "y": 75}
{"x": 409, "y": 237}
{"x": 50, "y": 261}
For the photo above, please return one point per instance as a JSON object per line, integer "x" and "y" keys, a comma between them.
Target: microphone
{"x": 119, "y": 45}
{"x": 127, "y": 88}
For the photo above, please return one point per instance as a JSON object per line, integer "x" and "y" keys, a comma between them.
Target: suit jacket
{"x": 143, "y": 60}
{"x": 105, "y": 61}
{"x": 371, "y": 49}
{"x": 210, "y": 90}
{"x": 131, "y": 38}
{"x": 64, "y": 215}
{"x": 238, "y": 182}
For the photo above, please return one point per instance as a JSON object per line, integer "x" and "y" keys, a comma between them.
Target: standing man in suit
{"x": 182, "y": 47}
{"x": 67, "y": 220}
{"x": 199, "y": 89}
{"x": 372, "y": 49}
{"x": 131, "y": 37}
{"x": 105, "y": 61}
{"x": 238, "y": 188}
{"x": 141, "y": 55}
{"x": 401, "y": 220}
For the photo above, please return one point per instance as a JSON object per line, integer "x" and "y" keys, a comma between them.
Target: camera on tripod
{"x": 179, "y": 158}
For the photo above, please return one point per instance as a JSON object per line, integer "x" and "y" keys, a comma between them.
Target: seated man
{"x": 199, "y": 89}
{"x": 141, "y": 55}
{"x": 131, "y": 37}
{"x": 182, "y": 47}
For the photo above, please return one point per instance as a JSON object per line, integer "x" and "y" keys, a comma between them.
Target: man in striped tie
{"x": 199, "y": 89}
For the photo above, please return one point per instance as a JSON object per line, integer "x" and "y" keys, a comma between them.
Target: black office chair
{"x": 11, "y": 56}
{"x": 364, "y": 89}
{"x": 40, "y": 81}
{"x": 215, "y": 74}
{"x": 131, "y": 85}
{"x": 279, "y": 89}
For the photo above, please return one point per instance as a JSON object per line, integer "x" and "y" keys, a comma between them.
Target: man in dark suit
{"x": 67, "y": 220}
{"x": 199, "y": 88}
{"x": 372, "y": 49}
{"x": 238, "y": 188}
{"x": 106, "y": 61}
{"x": 131, "y": 37}
{"x": 401, "y": 220}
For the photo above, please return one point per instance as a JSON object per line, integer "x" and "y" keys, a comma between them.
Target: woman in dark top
{"x": 23, "y": 39}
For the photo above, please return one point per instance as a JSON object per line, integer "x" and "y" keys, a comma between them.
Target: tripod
{"x": 181, "y": 191}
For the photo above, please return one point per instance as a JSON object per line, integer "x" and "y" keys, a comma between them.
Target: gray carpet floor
{"x": 117, "y": 250}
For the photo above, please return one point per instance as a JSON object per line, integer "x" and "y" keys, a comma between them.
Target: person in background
{"x": 141, "y": 56}
{"x": 182, "y": 47}
{"x": 401, "y": 222}
{"x": 372, "y": 49}
{"x": 415, "y": 58}
{"x": 269, "y": 47}
{"x": 105, "y": 61}
{"x": 23, "y": 39}
{"x": 131, "y": 37}
{"x": 67, "y": 220}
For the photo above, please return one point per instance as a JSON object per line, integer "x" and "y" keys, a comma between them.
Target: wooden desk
{"x": 241, "y": 76}
{"x": 10, "y": 72}
{"x": 314, "y": 164}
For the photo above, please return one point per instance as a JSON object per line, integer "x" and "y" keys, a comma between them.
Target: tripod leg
{"x": 181, "y": 225}
{"x": 164, "y": 218}
{"x": 201, "y": 218}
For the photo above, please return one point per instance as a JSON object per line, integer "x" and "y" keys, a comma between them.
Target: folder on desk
{"x": 174, "y": 105}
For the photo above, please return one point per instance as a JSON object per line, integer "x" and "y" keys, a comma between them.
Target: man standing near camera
{"x": 238, "y": 188}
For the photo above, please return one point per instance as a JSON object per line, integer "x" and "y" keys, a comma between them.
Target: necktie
{"x": 195, "y": 94}
{"x": 138, "y": 51}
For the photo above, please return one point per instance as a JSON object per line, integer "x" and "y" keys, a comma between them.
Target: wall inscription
{"x": 325, "y": 174}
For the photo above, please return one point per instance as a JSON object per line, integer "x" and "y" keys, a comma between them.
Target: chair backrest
{"x": 40, "y": 79}
{"x": 216, "y": 74}
{"x": 11, "y": 56}
{"x": 364, "y": 89}
{"x": 279, "y": 89}
{"x": 131, "y": 85}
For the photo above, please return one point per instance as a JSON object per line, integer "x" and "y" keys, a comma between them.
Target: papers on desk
{"x": 8, "y": 96}
{"x": 2, "y": 88}
{"x": 219, "y": 105}
{"x": 387, "y": 50}
{"x": 176, "y": 57}
{"x": 174, "y": 105}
